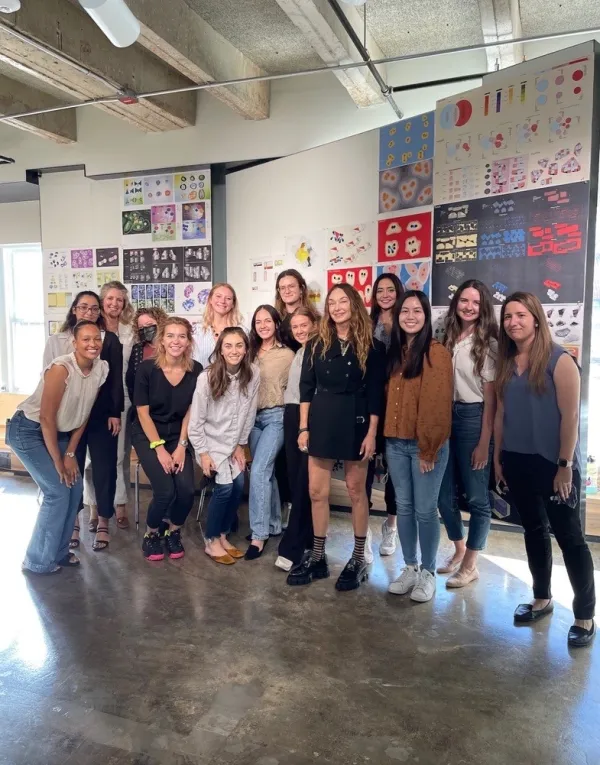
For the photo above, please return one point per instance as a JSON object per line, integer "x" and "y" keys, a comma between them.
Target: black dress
{"x": 342, "y": 398}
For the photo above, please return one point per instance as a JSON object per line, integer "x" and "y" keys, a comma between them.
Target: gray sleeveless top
{"x": 532, "y": 420}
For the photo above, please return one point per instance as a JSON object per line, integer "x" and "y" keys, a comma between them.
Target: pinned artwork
{"x": 404, "y": 187}
{"x": 191, "y": 298}
{"x": 164, "y": 223}
{"x": 194, "y": 220}
{"x": 349, "y": 245}
{"x": 153, "y": 296}
{"x": 151, "y": 265}
{"x": 306, "y": 251}
{"x": 83, "y": 280}
{"x": 59, "y": 281}
{"x": 552, "y": 168}
{"x": 59, "y": 299}
{"x": 495, "y": 142}
{"x": 106, "y": 275}
{"x": 54, "y": 327}
{"x": 565, "y": 323}
{"x": 456, "y": 184}
{"x": 192, "y": 187}
{"x": 82, "y": 258}
{"x": 158, "y": 189}
{"x": 407, "y": 141}
{"x": 413, "y": 275}
{"x": 135, "y": 222}
{"x": 197, "y": 263}
{"x": 133, "y": 192}
{"x": 107, "y": 257}
{"x": 406, "y": 237}
{"x": 360, "y": 278}
{"x": 57, "y": 258}
{"x": 509, "y": 175}
{"x": 438, "y": 322}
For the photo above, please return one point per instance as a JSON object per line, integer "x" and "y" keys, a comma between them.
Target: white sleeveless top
{"x": 79, "y": 396}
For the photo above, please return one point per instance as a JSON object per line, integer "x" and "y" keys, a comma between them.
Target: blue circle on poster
{"x": 541, "y": 85}
{"x": 541, "y": 100}
{"x": 448, "y": 116}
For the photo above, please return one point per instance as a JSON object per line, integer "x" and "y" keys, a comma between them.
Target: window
{"x": 22, "y": 335}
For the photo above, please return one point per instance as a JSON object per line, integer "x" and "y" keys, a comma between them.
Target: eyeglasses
{"x": 93, "y": 309}
{"x": 287, "y": 288}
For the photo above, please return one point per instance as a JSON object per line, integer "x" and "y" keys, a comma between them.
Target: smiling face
{"x": 113, "y": 303}
{"x": 290, "y": 291}
{"x": 175, "y": 340}
{"x": 264, "y": 325}
{"x": 467, "y": 308}
{"x": 339, "y": 306}
{"x": 519, "y": 322}
{"x": 233, "y": 349}
{"x": 386, "y": 294}
{"x": 302, "y": 328}
{"x": 87, "y": 308}
{"x": 412, "y": 316}
{"x": 222, "y": 301}
{"x": 88, "y": 342}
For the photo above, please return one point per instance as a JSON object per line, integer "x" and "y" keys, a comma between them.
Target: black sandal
{"x": 74, "y": 543}
{"x": 69, "y": 560}
{"x": 101, "y": 544}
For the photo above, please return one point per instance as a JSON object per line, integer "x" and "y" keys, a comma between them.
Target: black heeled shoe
{"x": 579, "y": 637}
{"x": 308, "y": 570}
{"x": 354, "y": 573}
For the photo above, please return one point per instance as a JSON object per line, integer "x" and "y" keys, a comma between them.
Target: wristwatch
{"x": 70, "y": 454}
{"x": 183, "y": 442}
{"x": 564, "y": 463}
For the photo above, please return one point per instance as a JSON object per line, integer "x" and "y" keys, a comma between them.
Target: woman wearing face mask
{"x": 222, "y": 415}
{"x": 164, "y": 388}
{"x": 104, "y": 423}
{"x": 266, "y": 436}
{"x": 117, "y": 313}
{"x": 221, "y": 311}
{"x": 387, "y": 291}
{"x": 147, "y": 322}
{"x": 341, "y": 399}
{"x": 45, "y": 432}
{"x": 471, "y": 337}
{"x": 291, "y": 293}
{"x": 298, "y": 536}
{"x": 418, "y": 420}
{"x": 536, "y": 453}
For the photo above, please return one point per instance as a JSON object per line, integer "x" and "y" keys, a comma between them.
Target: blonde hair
{"x": 126, "y": 316}
{"x": 159, "y": 316}
{"x": 161, "y": 354}
{"x": 539, "y": 351}
{"x": 360, "y": 335}
{"x": 234, "y": 316}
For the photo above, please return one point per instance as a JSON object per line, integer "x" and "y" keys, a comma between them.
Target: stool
{"x": 136, "y": 495}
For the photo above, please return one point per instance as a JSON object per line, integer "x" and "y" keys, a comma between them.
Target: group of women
{"x": 374, "y": 391}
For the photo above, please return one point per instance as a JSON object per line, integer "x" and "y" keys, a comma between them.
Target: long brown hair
{"x": 305, "y": 300}
{"x": 127, "y": 312}
{"x": 234, "y": 317}
{"x": 218, "y": 379}
{"x": 156, "y": 313}
{"x": 486, "y": 328}
{"x": 161, "y": 354}
{"x": 539, "y": 351}
{"x": 360, "y": 335}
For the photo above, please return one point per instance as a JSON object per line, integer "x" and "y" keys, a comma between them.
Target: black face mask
{"x": 147, "y": 334}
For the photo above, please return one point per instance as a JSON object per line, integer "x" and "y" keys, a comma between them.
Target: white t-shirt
{"x": 468, "y": 385}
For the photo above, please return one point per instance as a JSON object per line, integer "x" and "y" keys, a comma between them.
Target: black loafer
{"x": 252, "y": 553}
{"x": 307, "y": 571}
{"x": 579, "y": 637}
{"x": 525, "y": 613}
{"x": 355, "y": 572}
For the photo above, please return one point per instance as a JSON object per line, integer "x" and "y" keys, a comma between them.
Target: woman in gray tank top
{"x": 537, "y": 457}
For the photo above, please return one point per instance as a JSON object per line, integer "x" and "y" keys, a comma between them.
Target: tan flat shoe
{"x": 226, "y": 560}
{"x": 462, "y": 578}
{"x": 449, "y": 567}
{"x": 234, "y": 552}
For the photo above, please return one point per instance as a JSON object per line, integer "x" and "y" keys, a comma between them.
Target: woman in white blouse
{"x": 471, "y": 335}
{"x": 221, "y": 311}
{"x": 222, "y": 415}
{"x": 44, "y": 434}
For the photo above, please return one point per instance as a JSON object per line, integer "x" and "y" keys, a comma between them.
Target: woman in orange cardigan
{"x": 418, "y": 421}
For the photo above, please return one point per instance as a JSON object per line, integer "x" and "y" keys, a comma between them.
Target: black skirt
{"x": 338, "y": 424}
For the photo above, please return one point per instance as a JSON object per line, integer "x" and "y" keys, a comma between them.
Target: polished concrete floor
{"x": 188, "y": 663}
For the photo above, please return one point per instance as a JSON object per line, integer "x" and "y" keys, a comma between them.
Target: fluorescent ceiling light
{"x": 355, "y": 2}
{"x": 115, "y": 19}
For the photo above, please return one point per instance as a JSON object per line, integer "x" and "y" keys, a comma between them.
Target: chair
{"x": 136, "y": 495}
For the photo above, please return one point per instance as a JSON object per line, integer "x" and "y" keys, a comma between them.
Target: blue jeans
{"x": 223, "y": 506}
{"x": 50, "y": 539}
{"x": 266, "y": 439}
{"x": 416, "y": 499}
{"x": 466, "y": 430}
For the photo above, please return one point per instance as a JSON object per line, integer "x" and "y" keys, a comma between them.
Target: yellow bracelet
{"x": 156, "y": 444}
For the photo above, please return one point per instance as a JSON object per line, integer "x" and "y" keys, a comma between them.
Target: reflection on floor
{"x": 187, "y": 663}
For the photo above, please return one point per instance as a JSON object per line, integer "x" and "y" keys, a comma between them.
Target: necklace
{"x": 344, "y": 345}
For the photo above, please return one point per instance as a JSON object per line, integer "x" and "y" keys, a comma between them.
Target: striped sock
{"x": 318, "y": 550}
{"x": 359, "y": 548}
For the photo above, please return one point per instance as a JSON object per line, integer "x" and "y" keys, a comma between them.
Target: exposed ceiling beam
{"x": 61, "y": 26}
{"x": 181, "y": 38}
{"x": 17, "y": 97}
{"x": 322, "y": 29}
{"x": 501, "y": 21}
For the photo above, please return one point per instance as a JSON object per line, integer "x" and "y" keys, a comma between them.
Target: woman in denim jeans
{"x": 418, "y": 417}
{"x": 266, "y": 437}
{"x": 44, "y": 434}
{"x": 221, "y": 418}
{"x": 471, "y": 336}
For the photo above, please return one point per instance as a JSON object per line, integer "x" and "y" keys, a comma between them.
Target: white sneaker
{"x": 425, "y": 588}
{"x": 284, "y": 563}
{"x": 389, "y": 540}
{"x": 369, "y": 557}
{"x": 406, "y": 581}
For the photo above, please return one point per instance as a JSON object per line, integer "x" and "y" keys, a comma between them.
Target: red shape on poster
{"x": 405, "y": 237}
{"x": 361, "y": 278}
{"x": 555, "y": 239}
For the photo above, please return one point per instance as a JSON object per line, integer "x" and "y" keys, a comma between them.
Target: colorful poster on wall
{"x": 414, "y": 275}
{"x": 57, "y": 259}
{"x": 307, "y": 252}
{"x": 107, "y": 257}
{"x": 106, "y": 275}
{"x": 351, "y": 245}
{"x": 150, "y": 265}
{"x": 153, "y": 296}
{"x": 82, "y": 258}
{"x": 407, "y": 141}
{"x": 133, "y": 192}
{"x": 136, "y": 222}
{"x": 191, "y": 298}
{"x": 360, "y": 278}
{"x": 164, "y": 223}
{"x": 192, "y": 187}
{"x": 401, "y": 188}
{"x": 406, "y": 237}
{"x": 158, "y": 189}
{"x": 193, "y": 220}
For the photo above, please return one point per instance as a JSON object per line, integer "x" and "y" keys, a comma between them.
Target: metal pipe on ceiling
{"x": 306, "y": 72}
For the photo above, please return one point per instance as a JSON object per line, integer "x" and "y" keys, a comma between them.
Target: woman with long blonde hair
{"x": 164, "y": 388}
{"x": 221, "y": 311}
{"x": 341, "y": 400}
{"x": 536, "y": 456}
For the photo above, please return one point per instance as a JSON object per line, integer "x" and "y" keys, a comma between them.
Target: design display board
{"x": 404, "y": 187}
{"x": 407, "y": 141}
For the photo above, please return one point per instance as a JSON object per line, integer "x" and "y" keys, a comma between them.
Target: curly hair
{"x": 126, "y": 316}
{"x": 360, "y": 335}
{"x": 161, "y": 354}
{"x": 159, "y": 316}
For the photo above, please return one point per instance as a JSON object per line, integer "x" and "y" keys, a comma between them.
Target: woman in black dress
{"x": 341, "y": 400}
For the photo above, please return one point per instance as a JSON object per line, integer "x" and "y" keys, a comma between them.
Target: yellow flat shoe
{"x": 226, "y": 560}
{"x": 234, "y": 552}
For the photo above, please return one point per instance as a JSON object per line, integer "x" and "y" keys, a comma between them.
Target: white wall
{"x": 19, "y": 223}
{"x": 331, "y": 185}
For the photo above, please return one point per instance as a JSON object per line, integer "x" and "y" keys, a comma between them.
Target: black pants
{"x": 389, "y": 494}
{"x": 172, "y": 493}
{"x": 530, "y": 478}
{"x": 298, "y": 536}
{"x": 282, "y": 475}
{"x": 103, "y": 455}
